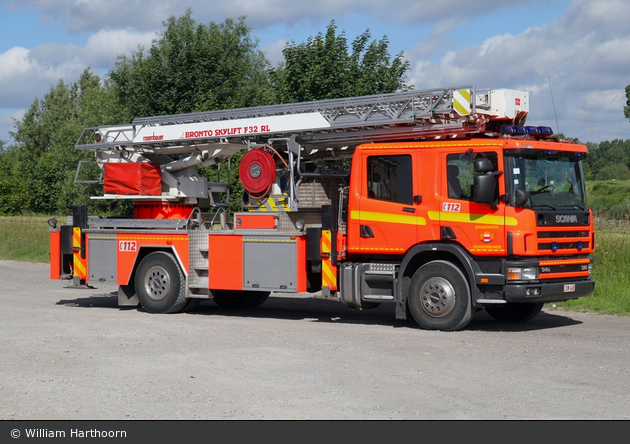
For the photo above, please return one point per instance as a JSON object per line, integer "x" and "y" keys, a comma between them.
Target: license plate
{"x": 569, "y": 288}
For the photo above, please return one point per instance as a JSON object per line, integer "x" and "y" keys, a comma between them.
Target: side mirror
{"x": 483, "y": 165}
{"x": 522, "y": 197}
{"x": 484, "y": 186}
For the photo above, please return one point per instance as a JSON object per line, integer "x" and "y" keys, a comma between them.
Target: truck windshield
{"x": 552, "y": 181}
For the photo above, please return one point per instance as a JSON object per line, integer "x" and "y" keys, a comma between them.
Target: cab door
{"x": 387, "y": 215}
{"x": 480, "y": 228}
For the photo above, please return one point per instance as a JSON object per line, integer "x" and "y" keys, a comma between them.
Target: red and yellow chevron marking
{"x": 329, "y": 271}
{"x": 80, "y": 264}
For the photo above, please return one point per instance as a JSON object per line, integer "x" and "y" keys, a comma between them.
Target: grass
{"x": 611, "y": 263}
{"x": 25, "y": 238}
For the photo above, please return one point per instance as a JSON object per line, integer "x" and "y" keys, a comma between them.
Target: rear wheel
{"x": 439, "y": 297}
{"x": 513, "y": 312}
{"x": 261, "y": 298}
{"x": 240, "y": 299}
{"x": 160, "y": 284}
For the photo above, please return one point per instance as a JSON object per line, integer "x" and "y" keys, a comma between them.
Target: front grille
{"x": 563, "y": 246}
{"x": 559, "y": 234}
{"x": 558, "y": 241}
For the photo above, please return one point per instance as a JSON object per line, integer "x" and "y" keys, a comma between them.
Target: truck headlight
{"x": 522, "y": 274}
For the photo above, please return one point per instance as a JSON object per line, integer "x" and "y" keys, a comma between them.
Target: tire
{"x": 261, "y": 298}
{"x": 240, "y": 299}
{"x": 160, "y": 284}
{"x": 439, "y": 297}
{"x": 191, "y": 304}
{"x": 514, "y": 312}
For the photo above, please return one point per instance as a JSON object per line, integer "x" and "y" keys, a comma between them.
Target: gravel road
{"x": 70, "y": 354}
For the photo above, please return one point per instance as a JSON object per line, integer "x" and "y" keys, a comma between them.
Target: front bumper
{"x": 550, "y": 292}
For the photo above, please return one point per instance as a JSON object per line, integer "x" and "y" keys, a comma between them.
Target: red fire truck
{"x": 442, "y": 202}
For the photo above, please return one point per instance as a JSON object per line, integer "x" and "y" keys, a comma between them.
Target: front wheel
{"x": 514, "y": 312}
{"x": 439, "y": 297}
{"x": 160, "y": 284}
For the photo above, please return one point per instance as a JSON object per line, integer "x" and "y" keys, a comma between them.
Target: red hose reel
{"x": 257, "y": 172}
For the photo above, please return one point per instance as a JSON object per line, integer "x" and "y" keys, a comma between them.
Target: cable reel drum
{"x": 257, "y": 172}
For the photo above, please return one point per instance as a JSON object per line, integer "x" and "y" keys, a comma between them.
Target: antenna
{"x": 554, "y": 105}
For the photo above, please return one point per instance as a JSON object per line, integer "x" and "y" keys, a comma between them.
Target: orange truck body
{"x": 440, "y": 222}
{"x": 420, "y": 225}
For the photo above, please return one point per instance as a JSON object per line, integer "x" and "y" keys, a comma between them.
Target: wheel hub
{"x": 157, "y": 283}
{"x": 438, "y": 297}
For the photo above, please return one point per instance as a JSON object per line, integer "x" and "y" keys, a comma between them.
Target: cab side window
{"x": 460, "y": 172}
{"x": 389, "y": 178}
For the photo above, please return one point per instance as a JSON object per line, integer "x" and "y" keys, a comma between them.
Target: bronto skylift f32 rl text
{"x": 441, "y": 202}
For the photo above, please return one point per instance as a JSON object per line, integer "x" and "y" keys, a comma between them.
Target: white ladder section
{"x": 395, "y": 116}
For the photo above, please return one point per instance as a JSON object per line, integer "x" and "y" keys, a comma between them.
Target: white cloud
{"x": 89, "y": 15}
{"x": 585, "y": 56}
{"x": 7, "y": 122}
{"x": 14, "y": 62}
{"x": 29, "y": 73}
{"x": 103, "y": 47}
{"x": 493, "y": 43}
{"x": 25, "y": 74}
{"x": 273, "y": 51}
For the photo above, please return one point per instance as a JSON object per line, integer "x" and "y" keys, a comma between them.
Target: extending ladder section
{"x": 403, "y": 115}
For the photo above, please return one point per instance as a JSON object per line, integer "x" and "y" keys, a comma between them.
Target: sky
{"x": 572, "y": 56}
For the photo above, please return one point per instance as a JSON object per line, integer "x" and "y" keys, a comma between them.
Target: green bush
{"x": 609, "y": 199}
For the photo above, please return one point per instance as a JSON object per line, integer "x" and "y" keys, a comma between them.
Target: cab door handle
{"x": 366, "y": 231}
{"x": 409, "y": 210}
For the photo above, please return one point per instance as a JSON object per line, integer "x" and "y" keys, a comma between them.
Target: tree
{"x": 11, "y": 188}
{"x": 609, "y": 160}
{"x": 626, "y": 109}
{"x": 189, "y": 67}
{"x": 324, "y": 68}
{"x": 194, "y": 67}
{"x": 45, "y": 157}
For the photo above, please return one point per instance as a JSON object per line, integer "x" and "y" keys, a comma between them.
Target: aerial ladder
{"x": 318, "y": 130}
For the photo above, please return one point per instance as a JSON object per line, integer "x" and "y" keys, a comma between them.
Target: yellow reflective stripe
{"x": 328, "y": 277}
{"x": 79, "y": 268}
{"x": 76, "y": 237}
{"x": 142, "y": 237}
{"x": 471, "y": 218}
{"x": 326, "y": 241}
{"x": 272, "y": 204}
{"x": 373, "y": 216}
{"x": 373, "y": 249}
{"x": 247, "y": 239}
{"x": 282, "y": 202}
{"x": 442, "y": 144}
{"x": 461, "y": 102}
{"x": 567, "y": 262}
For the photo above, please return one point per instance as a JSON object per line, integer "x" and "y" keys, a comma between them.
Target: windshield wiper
{"x": 543, "y": 206}
{"x": 573, "y": 206}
